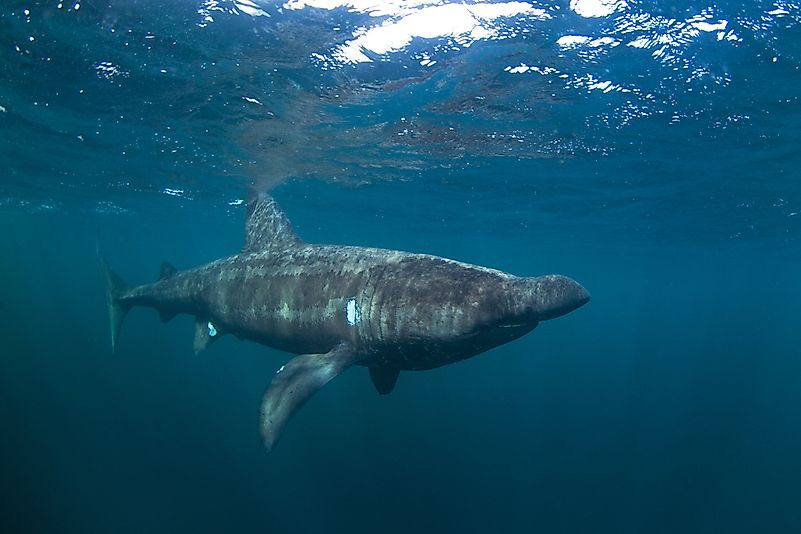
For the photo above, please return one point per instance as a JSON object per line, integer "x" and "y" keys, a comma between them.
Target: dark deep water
{"x": 670, "y": 403}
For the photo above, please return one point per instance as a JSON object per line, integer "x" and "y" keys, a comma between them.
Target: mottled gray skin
{"x": 383, "y": 309}
{"x": 415, "y": 311}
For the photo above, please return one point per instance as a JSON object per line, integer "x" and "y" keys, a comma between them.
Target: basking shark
{"x": 339, "y": 306}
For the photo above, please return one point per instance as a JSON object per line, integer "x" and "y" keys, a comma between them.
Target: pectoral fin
{"x": 296, "y": 382}
{"x": 384, "y": 379}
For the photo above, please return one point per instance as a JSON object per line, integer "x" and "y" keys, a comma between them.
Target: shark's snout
{"x": 554, "y": 295}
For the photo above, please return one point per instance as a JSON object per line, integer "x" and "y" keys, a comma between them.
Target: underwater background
{"x": 649, "y": 150}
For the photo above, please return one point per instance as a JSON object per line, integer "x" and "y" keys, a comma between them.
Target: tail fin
{"x": 116, "y": 311}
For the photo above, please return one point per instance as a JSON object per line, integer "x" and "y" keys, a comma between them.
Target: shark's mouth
{"x": 510, "y": 327}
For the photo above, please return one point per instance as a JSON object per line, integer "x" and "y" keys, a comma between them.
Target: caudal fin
{"x": 116, "y": 311}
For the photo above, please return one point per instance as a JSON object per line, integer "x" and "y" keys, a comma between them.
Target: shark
{"x": 337, "y": 306}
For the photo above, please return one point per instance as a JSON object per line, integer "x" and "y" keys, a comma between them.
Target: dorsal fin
{"x": 167, "y": 270}
{"x": 267, "y": 226}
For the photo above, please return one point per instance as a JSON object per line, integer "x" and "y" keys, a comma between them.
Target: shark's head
{"x": 545, "y": 297}
{"x": 508, "y": 314}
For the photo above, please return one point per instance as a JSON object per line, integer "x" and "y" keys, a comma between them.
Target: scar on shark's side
{"x": 338, "y": 306}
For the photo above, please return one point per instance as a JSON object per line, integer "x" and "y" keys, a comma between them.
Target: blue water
{"x": 651, "y": 152}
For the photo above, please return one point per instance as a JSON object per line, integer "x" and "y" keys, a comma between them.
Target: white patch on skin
{"x": 212, "y": 329}
{"x": 285, "y": 312}
{"x": 352, "y": 312}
